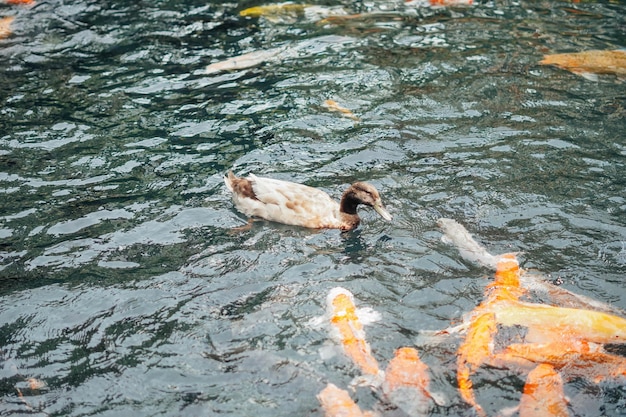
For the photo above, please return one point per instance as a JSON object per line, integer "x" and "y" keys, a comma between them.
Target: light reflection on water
{"x": 125, "y": 287}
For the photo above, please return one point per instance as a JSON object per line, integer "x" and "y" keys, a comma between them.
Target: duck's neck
{"x": 347, "y": 209}
{"x": 349, "y": 202}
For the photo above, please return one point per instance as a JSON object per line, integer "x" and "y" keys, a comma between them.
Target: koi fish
{"x": 505, "y": 289}
{"x": 24, "y": 2}
{"x": 554, "y": 353}
{"x": 506, "y": 285}
{"x": 337, "y": 403}
{"x": 244, "y": 61}
{"x": 407, "y": 382}
{"x": 450, "y": 2}
{"x": 589, "y": 325}
{"x": 543, "y": 394}
{"x": 473, "y": 352}
{"x": 287, "y": 12}
{"x": 557, "y": 295}
{"x": 332, "y": 105}
{"x": 577, "y": 359}
{"x": 5, "y": 26}
{"x": 348, "y": 330}
{"x": 273, "y": 9}
{"x": 589, "y": 63}
{"x": 300, "y": 49}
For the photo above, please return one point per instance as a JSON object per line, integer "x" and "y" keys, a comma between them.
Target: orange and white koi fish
{"x": 337, "y": 403}
{"x": 407, "y": 381}
{"x": 332, "y": 105}
{"x": 348, "y": 330}
{"x": 543, "y": 394}
{"x": 589, "y": 63}
{"x": 5, "y": 26}
{"x": 473, "y": 352}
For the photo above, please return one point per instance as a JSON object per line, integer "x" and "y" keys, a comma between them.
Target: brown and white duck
{"x": 301, "y": 205}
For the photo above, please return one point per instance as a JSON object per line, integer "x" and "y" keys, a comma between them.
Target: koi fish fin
{"x": 587, "y": 75}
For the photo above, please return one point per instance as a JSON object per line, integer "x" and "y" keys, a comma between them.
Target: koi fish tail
{"x": 466, "y": 389}
{"x": 543, "y": 394}
{"x": 475, "y": 350}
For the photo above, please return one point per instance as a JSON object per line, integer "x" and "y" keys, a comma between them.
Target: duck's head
{"x": 363, "y": 193}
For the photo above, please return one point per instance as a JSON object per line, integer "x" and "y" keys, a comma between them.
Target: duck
{"x": 300, "y": 205}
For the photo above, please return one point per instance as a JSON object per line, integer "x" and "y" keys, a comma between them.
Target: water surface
{"x": 124, "y": 286}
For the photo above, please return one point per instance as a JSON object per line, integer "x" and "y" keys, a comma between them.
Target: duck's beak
{"x": 380, "y": 209}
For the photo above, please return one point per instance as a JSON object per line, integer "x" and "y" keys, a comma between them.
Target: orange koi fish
{"x": 473, "y": 352}
{"x": 506, "y": 286}
{"x": 24, "y": 2}
{"x": 332, "y": 105}
{"x": 589, "y": 63}
{"x": 5, "y": 26}
{"x": 505, "y": 289}
{"x": 349, "y": 330}
{"x": 407, "y": 382}
{"x": 543, "y": 394}
{"x": 337, "y": 403}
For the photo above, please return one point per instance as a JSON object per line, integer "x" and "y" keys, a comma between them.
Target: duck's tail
{"x": 229, "y": 180}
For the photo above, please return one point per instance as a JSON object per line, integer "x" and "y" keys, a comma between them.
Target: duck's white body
{"x": 288, "y": 203}
{"x": 297, "y": 204}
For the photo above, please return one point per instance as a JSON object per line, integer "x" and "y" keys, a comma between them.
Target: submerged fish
{"x": 589, "y": 63}
{"x": 543, "y": 394}
{"x": 299, "y": 49}
{"x": 273, "y": 9}
{"x": 248, "y": 60}
{"x": 332, "y": 105}
{"x": 5, "y": 26}
{"x": 348, "y": 330}
{"x": 450, "y": 2}
{"x": 337, "y": 403}
{"x": 578, "y": 324}
{"x": 576, "y": 359}
{"x": 288, "y": 12}
{"x": 557, "y": 295}
{"x": 407, "y": 382}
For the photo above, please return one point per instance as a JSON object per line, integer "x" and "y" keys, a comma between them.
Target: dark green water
{"x": 122, "y": 284}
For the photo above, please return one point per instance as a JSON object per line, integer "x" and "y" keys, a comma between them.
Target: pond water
{"x": 124, "y": 284}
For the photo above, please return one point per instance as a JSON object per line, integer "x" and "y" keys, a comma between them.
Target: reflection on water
{"x": 124, "y": 286}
